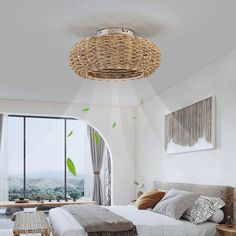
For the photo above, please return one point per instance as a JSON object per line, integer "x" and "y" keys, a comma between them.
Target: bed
{"x": 149, "y": 223}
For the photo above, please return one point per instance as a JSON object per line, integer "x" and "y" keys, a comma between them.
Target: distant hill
{"x": 47, "y": 182}
{"x": 44, "y": 183}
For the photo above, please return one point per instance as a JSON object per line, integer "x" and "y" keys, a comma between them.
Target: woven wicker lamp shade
{"x": 114, "y": 54}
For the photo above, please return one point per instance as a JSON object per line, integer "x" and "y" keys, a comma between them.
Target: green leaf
{"x": 96, "y": 137}
{"x": 71, "y": 132}
{"x": 134, "y": 117}
{"x": 71, "y": 166}
{"x": 142, "y": 101}
{"x": 86, "y": 109}
{"x": 114, "y": 125}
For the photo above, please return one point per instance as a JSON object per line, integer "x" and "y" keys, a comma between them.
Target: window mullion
{"x": 65, "y": 154}
{"x": 24, "y": 156}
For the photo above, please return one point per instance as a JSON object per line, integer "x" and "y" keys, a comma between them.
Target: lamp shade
{"x": 114, "y": 54}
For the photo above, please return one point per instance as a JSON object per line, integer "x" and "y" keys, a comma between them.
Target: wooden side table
{"x": 224, "y": 230}
{"x": 31, "y": 222}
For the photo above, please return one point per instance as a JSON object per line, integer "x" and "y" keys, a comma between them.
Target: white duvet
{"x": 147, "y": 223}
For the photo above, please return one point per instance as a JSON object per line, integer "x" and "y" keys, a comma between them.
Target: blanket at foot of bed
{"x": 99, "y": 221}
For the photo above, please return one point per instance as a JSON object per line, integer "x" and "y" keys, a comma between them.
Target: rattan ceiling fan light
{"x": 114, "y": 54}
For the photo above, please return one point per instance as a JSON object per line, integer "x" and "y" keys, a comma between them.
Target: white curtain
{"x": 106, "y": 178}
{"x": 88, "y": 179}
{"x": 3, "y": 158}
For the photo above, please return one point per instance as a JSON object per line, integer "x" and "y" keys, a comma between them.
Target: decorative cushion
{"x": 203, "y": 209}
{"x": 217, "y": 217}
{"x": 149, "y": 199}
{"x": 175, "y": 203}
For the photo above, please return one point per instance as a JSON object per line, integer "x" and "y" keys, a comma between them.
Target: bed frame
{"x": 226, "y": 193}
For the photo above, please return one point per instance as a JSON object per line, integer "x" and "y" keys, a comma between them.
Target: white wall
{"x": 205, "y": 167}
{"x": 121, "y": 139}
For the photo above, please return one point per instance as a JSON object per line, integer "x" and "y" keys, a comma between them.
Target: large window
{"x": 38, "y": 148}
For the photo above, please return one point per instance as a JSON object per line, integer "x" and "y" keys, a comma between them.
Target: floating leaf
{"x": 86, "y": 109}
{"x": 114, "y": 125}
{"x": 96, "y": 137}
{"x": 134, "y": 117}
{"x": 71, "y": 132}
{"x": 71, "y": 166}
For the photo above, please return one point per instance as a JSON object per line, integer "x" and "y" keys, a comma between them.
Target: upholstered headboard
{"x": 226, "y": 193}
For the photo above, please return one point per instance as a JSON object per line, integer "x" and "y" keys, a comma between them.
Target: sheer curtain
{"x": 88, "y": 180}
{"x": 3, "y": 158}
{"x": 106, "y": 178}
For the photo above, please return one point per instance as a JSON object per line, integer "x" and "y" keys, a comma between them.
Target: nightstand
{"x": 224, "y": 230}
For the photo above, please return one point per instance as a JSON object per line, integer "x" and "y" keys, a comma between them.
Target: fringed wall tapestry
{"x": 191, "y": 128}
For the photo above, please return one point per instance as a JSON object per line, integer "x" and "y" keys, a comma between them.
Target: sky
{"x": 45, "y": 145}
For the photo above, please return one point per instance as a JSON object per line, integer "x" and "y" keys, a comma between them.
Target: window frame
{"x": 24, "y": 146}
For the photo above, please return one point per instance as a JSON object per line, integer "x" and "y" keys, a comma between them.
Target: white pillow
{"x": 203, "y": 209}
{"x": 217, "y": 217}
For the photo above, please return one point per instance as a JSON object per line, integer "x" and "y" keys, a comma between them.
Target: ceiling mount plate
{"x": 115, "y": 31}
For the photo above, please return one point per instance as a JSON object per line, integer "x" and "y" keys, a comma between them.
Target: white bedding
{"x": 148, "y": 223}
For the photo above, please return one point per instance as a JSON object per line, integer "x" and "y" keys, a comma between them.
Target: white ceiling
{"x": 36, "y": 36}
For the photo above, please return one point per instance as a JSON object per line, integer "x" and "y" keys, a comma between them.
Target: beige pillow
{"x": 149, "y": 199}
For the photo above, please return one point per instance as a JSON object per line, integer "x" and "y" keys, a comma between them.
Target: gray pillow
{"x": 175, "y": 203}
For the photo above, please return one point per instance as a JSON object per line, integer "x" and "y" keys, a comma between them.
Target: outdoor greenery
{"x": 47, "y": 188}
